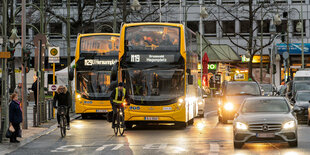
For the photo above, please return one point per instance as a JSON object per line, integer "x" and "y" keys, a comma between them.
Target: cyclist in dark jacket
{"x": 64, "y": 99}
{"x": 15, "y": 117}
{"x": 121, "y": 96}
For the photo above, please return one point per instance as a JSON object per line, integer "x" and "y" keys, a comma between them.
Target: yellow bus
{"x": 158, "y": 66}
{"x": 96, "y": 53}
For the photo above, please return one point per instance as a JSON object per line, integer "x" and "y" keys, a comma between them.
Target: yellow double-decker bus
{"x": 158, "y": 66}
{"x": 96, "y": 54}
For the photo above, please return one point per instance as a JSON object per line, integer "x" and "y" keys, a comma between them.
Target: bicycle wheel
{"x": 65, "y": 126}
{"x": 117, "y": 124}
{"x": 62, "y": 127}
{"x": 121, "y": 124}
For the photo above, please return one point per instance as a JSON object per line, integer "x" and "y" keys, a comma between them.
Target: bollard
{"x": 45, "y": 111}
{"x": 35, "y": 118}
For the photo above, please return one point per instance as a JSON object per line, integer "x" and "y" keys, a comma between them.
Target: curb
{"x": 36, "y": 136}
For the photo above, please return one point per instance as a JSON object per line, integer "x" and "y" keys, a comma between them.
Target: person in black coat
{"x": 64, "y": 99}
{"x": 34, "y": 89}
{"x": 15, "y": 117}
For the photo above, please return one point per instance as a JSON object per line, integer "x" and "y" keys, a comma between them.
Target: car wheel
{"x": 293, "y": 143}
{"x": 238, "y": 145}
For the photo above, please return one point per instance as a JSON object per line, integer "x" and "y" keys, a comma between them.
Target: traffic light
{"x": 283, "y": 37}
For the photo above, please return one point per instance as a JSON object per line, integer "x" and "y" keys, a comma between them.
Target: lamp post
{"x": 203, "y": 14}
{"x": 276, "y": 21}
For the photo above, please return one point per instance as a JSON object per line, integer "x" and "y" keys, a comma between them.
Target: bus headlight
{"x": 241, "y": 126}
{"x": 78, "y": 96}
{"x": 289, "y": 125}
{"x": 228, "y": 106}
{"x": 180, "y": 101}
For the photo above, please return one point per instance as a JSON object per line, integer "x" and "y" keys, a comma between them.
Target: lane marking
{"x": 118, "y": 146}
{"x": 210, "y": 112}
{"x": 154, "y": 146}
{"x": 214, "y": 148}
{"x": 66, "y": 148}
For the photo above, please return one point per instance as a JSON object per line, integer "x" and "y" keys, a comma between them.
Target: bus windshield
{"x": 155, "y": 85}
{"x": 99, "y": 44}
{"x": 152, "y": 37}
{"x": 94, "y": 85}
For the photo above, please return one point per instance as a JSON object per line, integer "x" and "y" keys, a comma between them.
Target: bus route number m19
{"x": 135, "y": 58}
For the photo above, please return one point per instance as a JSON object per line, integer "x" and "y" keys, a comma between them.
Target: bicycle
{"x": 62, "y": 110}
{"x": 120, "y": 126}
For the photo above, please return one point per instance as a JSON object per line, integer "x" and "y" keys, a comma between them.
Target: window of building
{"x": 193, "y": 25}
{"x": 73, "y": 30}
{"x": 282, "y": 27}
{"x": 298, "y": 1}
{"x": 280, "y": 1}
{"x": 210, "y": 1}
{"x": 228, "y": 1}
{"x": 266, "y": 25}
{"x": 228, "y": 28}
{"x": 56, "y": 2}
{"x": 55, "y": 30}
{"x": 210, "y": 28}
{"x": 245, "y": 26}
{"x": 297, "y": 33}
{"x": 90, "y": 2}
{"x": 73, "y": 2}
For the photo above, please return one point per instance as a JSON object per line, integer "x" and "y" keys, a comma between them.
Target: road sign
{"x": 294, "y": 48}
{"x": 5, "y": 55}
{"x": 285, "y": 55}
{"x": 53, "y": 87}
{"x": 53, "y": 55}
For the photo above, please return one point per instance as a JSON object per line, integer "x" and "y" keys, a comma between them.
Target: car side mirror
{"x": 296, "y": 109}
{"x": 71, "y": 74}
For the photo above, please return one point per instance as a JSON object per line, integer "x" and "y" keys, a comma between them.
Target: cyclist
{"x": 118, "y": 96}
{"x": 64, "y": 99}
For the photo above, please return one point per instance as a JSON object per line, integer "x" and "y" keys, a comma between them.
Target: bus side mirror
{"x": 71, "y": 74}
{"x": 190, "y": 79}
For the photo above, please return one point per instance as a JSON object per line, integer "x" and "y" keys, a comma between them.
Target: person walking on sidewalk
{"x": 64, "y": 99}
{"x": 15, "y": 117}
{"x": 34, "y": 89}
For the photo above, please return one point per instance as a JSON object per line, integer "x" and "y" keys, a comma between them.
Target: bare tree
{"x": 246, "y": 11}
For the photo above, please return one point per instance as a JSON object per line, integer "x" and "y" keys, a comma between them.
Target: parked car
{"x": 268, "y": 89}
{"x": 233, "y": 94}
{"x": 301, "y": 102}
{"x": 265, "y": 119}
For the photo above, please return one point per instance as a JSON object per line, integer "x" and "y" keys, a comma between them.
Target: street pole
{"x": 159, "y": 10}
{"x": 261, "y": 43}
{"x": 302, "y": 37}
{"x": 4, "y": 92}
{"x": 180, "y": 11}
{"x": 24, "y": 74}
{"x": 69, "y": 48}
{"x": 201, "y": 32}
{"x": 114, "y": 15}
{"x": 287, "y": 47}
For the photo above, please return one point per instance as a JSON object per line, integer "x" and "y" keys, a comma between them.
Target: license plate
{"x": 265, "y": 135}
{"x": 101, "y": 110}
{"x": 150, "y": 118}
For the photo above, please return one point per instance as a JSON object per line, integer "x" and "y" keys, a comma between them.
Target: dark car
{"x": 268, "y": 89}
{"x": 232, "y": 96}
{"x": 301, "y": 102}
{"x": 295, "y": 86}
{"x": 265, "y": 119}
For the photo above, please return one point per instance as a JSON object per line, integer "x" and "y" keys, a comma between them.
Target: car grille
{"x": 270, "y": 127}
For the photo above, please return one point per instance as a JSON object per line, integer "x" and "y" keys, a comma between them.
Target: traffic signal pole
{"x": 24, "y": 65}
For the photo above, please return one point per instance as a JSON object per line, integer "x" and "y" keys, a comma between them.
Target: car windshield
{"x": 301, "y": 86}
{"x": 152, "y": 37}
{"x": 303, "y": 96}
{"x": 94, "y": 85}
{"x": 243, "y": 89}
{"x": 265, "y": 105}
{"x": 267, "y": 87}
{"x": 155, "y": 85}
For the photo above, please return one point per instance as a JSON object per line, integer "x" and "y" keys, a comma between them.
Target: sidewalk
{"x": 31, "y": 133}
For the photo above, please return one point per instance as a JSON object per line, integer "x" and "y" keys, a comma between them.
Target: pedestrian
{"x": 34, "y": 89}
{"x": 15, "y": 117}
{"x": 118, "y": 96}
{"x": 63, "y": 97}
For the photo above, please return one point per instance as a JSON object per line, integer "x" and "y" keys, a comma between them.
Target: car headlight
{"x": 289, "y": 125}
{"x": 241, "y": 126}
{"x": 229, "y": 106}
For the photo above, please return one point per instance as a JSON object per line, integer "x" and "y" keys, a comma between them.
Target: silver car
{"x": 265, "y": 119}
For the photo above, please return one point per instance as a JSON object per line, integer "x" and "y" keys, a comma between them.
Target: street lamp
{"x": 135, "y": 6}
{"x": 14, "y": 37}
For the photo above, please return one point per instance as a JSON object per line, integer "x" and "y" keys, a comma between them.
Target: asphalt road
{"x": 206, "y": 136}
